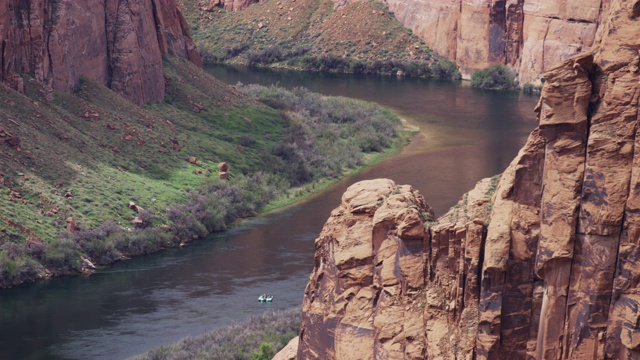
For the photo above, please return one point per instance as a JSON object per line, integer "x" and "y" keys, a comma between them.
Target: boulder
{"x": 72, "y": 226}
{"x": 135, "y": 207}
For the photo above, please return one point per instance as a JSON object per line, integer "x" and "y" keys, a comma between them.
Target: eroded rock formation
{"x": 529, "y": 35}
{"x": 119, "y": 43}
{"x": 545, "y": 267}
{"x": 363, "y": 297}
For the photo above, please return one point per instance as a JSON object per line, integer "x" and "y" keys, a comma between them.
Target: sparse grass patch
{"x": 255, "y": 338}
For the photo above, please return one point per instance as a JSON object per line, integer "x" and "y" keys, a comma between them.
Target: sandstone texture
{"x": 544, "y": 264}
{"x": 362, "y": 300}
{"x": 119, "y": 43}
{"x": 290, "y": 351}
{"x": 531, "y": 36}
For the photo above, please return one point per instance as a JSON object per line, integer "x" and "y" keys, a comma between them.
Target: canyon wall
{"x": 545, "y": 264}
{"x": 119, "y": 43}
{"x": 531, "y": 36}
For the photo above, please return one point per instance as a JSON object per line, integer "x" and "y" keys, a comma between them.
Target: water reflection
{"x": 135, "y": 305}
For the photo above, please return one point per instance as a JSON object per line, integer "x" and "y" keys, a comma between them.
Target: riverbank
{"x": 250, "y": 339}
{"x": 313, "y": 35}
{"x": 307, "y": 142}
{"x": 309, "y": 191}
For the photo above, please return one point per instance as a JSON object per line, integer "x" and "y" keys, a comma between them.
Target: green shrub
{"x": 265, "y": 353}
{"x": 267, "y": 56}
{"x": 445, "y": 69}
{"x": 62, "y": 255}
{"x": 145, "y": 241}
{"x": 100, "y": 243}
{"x": 495, "y": 77}
{"x": 8, "y": 267}
{"x": 16, "y": 267}
{"x": 531, "y": 89}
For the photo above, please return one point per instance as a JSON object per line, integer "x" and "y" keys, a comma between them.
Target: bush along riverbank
{"x": 501, "y": 77}
{"x": 260, "y": 337}
{"x": 313, "y": 35}
{"x": 320, "y": 138}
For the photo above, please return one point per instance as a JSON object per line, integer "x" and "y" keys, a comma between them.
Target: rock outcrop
{"x": 290, "y": 351}
{"x": 362, "y": 300}
{"x": 545, "y": 268}
{"x": 119, "y": 43}
{"x": 385, "y": 287}
{"x": 531, "y": 36}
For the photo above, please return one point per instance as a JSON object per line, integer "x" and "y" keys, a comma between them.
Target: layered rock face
{"x": 531, "y": 36}
{"x": 545, "y": 267}
{"x": 386, "y": 287}
{"x": 119, "y": 43}
{"x": 362, "y": 300}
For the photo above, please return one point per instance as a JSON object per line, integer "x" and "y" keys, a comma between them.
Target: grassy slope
{"x": 128, "y": 153}
{"x": 361, "y": 31}
{"x": 88, "y": 154}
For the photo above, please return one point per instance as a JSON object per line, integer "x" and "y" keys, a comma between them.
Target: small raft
{"x": 265, "y": 298}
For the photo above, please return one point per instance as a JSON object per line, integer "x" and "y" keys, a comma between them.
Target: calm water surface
{"x": 135, "y": 305}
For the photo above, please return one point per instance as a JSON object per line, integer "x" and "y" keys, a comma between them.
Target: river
{"x": 127, "y": 308}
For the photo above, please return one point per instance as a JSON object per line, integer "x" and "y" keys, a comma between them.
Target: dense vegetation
{"x": 257, "y": 338}
{"x": 360, "y": 37}
{"x": 84, "y": 157}
{"x": 495, "y": 77}
{"x": 531, "y": 89}
{"x": 324, "y": 135}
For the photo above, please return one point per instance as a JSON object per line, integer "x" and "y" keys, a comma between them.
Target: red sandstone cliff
{"x": 529, "y": 35}
{"x": 119, "y": 43}
{"x": 554, "y": 275}
{"x": 368, "y": 276}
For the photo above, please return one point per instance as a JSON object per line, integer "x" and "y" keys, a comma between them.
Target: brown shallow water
{"x": 132, "y": 306}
